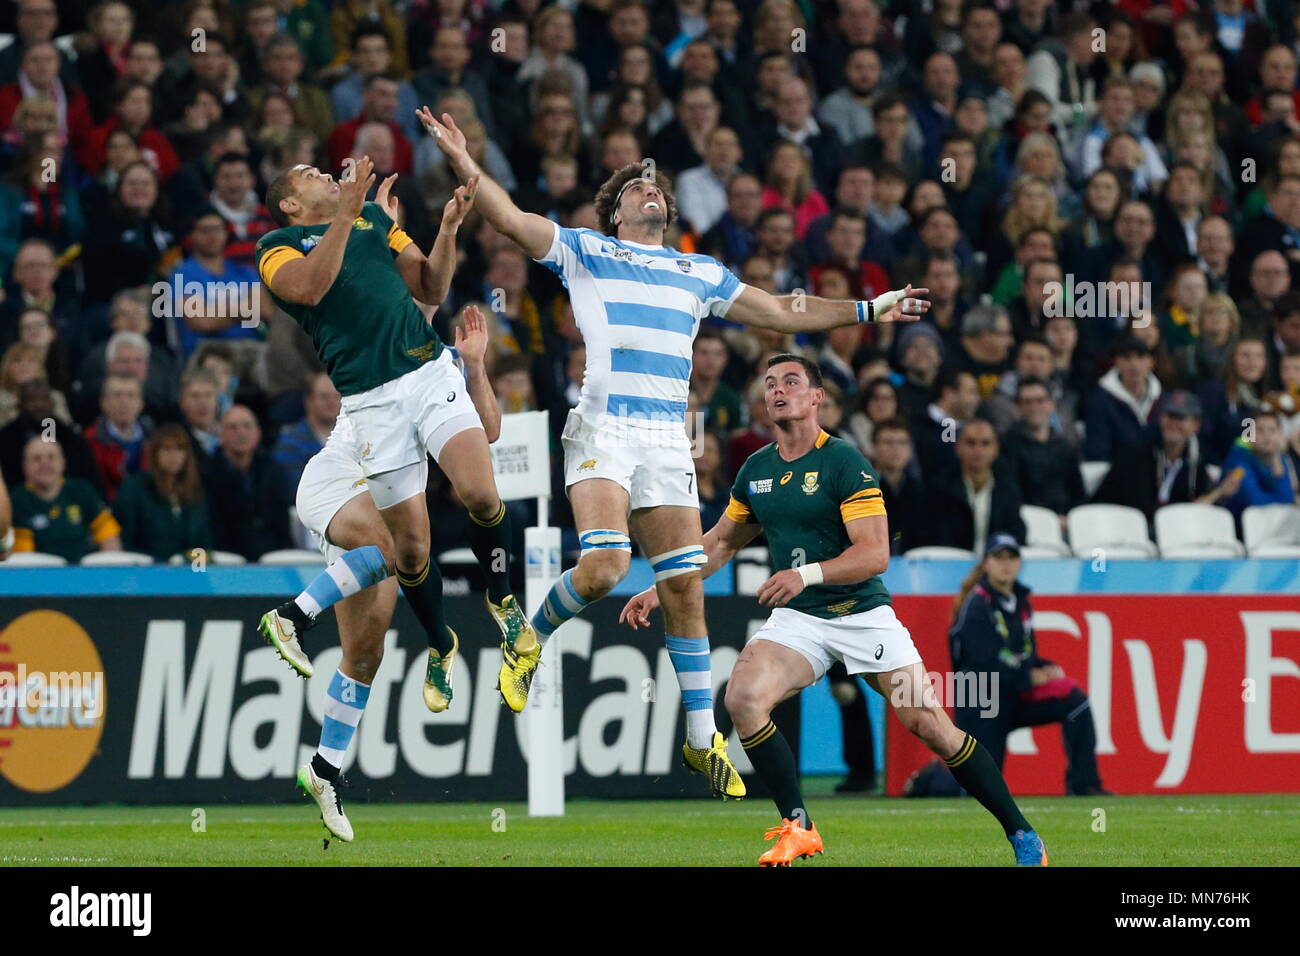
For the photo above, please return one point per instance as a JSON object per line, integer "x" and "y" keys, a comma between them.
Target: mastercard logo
{"x": 52, "y": 701}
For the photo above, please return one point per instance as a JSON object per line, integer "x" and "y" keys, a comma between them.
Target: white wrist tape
{"x": 883, "y": 303}
{"x": 811, "y": 574}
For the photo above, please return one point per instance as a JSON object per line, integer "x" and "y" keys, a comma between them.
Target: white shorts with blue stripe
{"x": 654, "y": 473}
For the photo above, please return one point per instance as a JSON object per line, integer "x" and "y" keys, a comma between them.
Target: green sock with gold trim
{"x": 772, "y": 758}
{"x": 975, "y": 770}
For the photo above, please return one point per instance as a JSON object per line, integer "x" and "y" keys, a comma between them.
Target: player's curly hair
{"x": 608, "y": 194}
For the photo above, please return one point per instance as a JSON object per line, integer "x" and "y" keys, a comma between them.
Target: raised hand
{"x": 460, "y": 203}
{"x": 471, "y": 340}
{"x": 386, "y": 202}
{"x": 905, "y": 305}
{"x": 445, "y": 133}
{"x": 352, "y": 192}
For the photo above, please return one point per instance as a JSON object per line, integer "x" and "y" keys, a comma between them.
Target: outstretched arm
{"x": 721, "y": 543}
{"x": 429, "y": 277}
{"x": 533, "y": 233}
{"x": 809, "y": 313}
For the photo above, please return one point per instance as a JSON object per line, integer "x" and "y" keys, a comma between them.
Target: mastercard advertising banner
{"x": 173, "y": 700}
{"x": 1189, "y": 694}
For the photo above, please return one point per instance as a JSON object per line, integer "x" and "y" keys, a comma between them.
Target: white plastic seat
{"x": 1031, "y": 553}
{"x": 938, "y": 552}
{"x": 1193, "y": 530}
{"x": 116, "y": 559}
{"x": 229, "y": 558}
{"x": 1043, "y": 533}
{"x": 458, "y": 556}
{"x": 1094, "y": 473}
{"x": 1272, "y": 531}
{"x": 33, "y": 559}
{"x": 1116, "y": 530}
{"x": 292, "y": 556}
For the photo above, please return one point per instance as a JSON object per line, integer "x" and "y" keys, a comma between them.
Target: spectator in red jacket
{"x": 132, "y": 111}
{"x": 38, "y": 77}
{"x": 118, "y": 436}
{"x": 378, "y": 105}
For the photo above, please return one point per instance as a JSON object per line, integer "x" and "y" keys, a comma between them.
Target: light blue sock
{"x": 353, "y": 571}
{"x": 344, "y": 703}
{"x": 690, "y": 657}
{"x": 562, "y": 602}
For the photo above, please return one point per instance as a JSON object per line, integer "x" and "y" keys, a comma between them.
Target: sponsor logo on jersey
{"x": 843, "y": 607}
{"x": 760, "y": 487}
{"x": 786, "y": 477}
{"x": 810, "y": 484}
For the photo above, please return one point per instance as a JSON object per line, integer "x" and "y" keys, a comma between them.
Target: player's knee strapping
{"x": 345, "y": 700}
{"x": 563, "y": 600}
{"x": 680, "y": 561}
{"x": 351, "y": 572}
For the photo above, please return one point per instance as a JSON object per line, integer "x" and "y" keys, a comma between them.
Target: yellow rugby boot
{"x": 714, "y": 763}
{"x": 437, "y": 679}
{"x": 520, "y": 652}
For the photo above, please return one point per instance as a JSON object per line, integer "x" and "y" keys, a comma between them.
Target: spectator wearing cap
{"x": 992, "y": 638}
{"x": 934, "y": 434}
{"x": 980, "y": 498}
{"x": 920, "y": 356}
{"x": 1043, "y": 458}
{"x": 1122, "y": 405}
{"x": 1168, "y": 469}
{"x": 1268, "y": 475}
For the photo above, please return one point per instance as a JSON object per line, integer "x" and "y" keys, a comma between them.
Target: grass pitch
{"x": 1138, "y": 831}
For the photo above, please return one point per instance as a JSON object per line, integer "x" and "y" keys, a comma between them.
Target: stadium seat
{"x": 935, "y": 552}
{"x": 1094, "y": 473}
{"x": 32, "y": 559}
{"x": 227, "y": 558}
{"x": 752, "y": 569}
{"x": 1197, "y": 531}
{"x": 116, "y": 559}
{"x": 1043, "y": 533}
{"x": 292, "y": 556}
{"x": 1117, "y": 531}
{"x": 1272, "y": 531}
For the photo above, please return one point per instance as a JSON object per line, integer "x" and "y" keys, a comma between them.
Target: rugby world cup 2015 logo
{"x": 52, "y": 701}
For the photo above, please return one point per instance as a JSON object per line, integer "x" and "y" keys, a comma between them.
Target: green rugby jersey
{"x": 367, "y": 329}
{"x": 803, "y": 506}
{"x": 71, "y": 524}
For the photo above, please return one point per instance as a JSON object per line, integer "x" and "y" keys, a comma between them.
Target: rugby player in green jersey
{"x": 347, "y": 273}
{"x": 819, "y": 503}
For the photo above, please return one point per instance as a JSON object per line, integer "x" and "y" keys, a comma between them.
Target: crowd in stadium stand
{"x": 1029, "y": 162}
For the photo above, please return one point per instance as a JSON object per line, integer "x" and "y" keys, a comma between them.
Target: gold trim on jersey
{"x": 271, "y": 262}
{"x": 739, "y": 512}
{"x": 397, "y": 239}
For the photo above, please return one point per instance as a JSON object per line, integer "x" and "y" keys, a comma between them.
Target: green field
{"x": 1139, "y": 831}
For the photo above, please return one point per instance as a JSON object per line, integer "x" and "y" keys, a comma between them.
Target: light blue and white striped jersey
{"x": 638, "y": 308}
